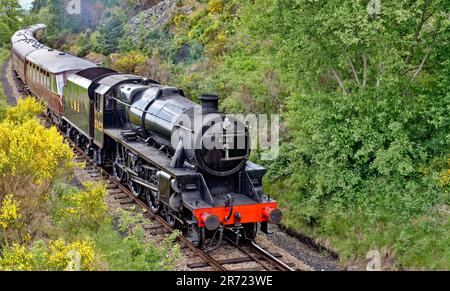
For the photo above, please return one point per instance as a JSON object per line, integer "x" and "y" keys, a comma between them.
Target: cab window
{"x": 109, "y": 102}
{"x": 98, "y": 102}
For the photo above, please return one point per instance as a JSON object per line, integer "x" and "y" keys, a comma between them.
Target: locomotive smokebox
{"x": 209, "y": 103}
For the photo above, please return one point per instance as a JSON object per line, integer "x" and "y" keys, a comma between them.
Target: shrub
{"x": 155, "y": 68}
{"x": 31, "y": 150}
{"x": 8, "y": 212}
{"x": 56, "y": 255}
{"x": 128, "y": 62}
{"x": 16, "y": 258}
{"x": 78, "y": 255}
{"x": 84, "y": 209}
{"x": 31, "y": 156}
{"x": 143, "y": 254}
{"x": 215, "y": 6}
{"x": 9, "y": 216}
{"x": 445, "y": 175}
{"x": 25, "y": 110}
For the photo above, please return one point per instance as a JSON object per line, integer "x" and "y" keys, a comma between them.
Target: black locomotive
{"x": 189, "y": 162}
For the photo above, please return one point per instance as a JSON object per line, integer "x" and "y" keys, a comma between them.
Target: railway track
{"x": 252, "y": 256}
{"x": 249, "y": 252}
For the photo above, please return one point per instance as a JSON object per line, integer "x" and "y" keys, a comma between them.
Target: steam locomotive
{"x": 189, "y": 162}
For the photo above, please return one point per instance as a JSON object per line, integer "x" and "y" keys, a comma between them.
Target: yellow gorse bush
{"x": 215, "y": 6}
{"x": 79, "y": 254}
{"x": 178, "y": 19}
{"x": 445, "y": 175}
{"x": 54, "y": 256}
{"x": 26, "y": 109}
{"x": 31, "y": 149}
{"x": 90, "y": 203}
{"x": 8, "y": 212}
{"x": 16, "y": 258}
{"x": 128, "y": 62}
{"x": 86, "y": 208}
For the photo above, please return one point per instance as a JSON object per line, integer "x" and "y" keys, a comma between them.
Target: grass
{"x": 415, "y": 242}
{"x": 108, "y": 241}
{"x": 4, "y": 54}
{"x": 114, "y": 251}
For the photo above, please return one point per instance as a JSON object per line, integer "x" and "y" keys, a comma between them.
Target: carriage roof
{"x": 23, "y": 41}
{"x": 57, "y": 62}
{"x": 25, "y": 44}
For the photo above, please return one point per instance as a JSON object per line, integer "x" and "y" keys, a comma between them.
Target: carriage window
{"x": 54, "y": 86}
{"x": 47, "y": 83}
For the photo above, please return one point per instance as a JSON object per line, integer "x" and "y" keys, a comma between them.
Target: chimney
{"x": 209, "y": 103}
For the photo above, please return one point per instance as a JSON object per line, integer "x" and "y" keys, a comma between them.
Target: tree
{"x": 5, "y": 33}
{"x": 10, "y": 13}
{"x": 37, "y": 5}
{"x": 344, "y": 43}
{"x": 110, "y": 31}
{"x": 368, "y": 108}
{"x": 10, "y": 8}
{"x": 56, "y": 21}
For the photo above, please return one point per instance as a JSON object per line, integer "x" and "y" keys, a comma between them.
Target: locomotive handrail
{"x": 158, "y": 94}
{"x": 148, "y": 112}
{"x": 205, "y": 187}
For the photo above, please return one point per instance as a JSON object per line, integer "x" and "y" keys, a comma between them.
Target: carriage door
{"x": 98, "y": 119}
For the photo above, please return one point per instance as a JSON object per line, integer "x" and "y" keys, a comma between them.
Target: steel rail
{"x": 263, "y": 253}
{"x": 210, "y": 260}
{"x": 281, "y": 265}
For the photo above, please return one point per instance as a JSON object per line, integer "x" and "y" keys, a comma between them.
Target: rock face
{"x": 153, "y": 18}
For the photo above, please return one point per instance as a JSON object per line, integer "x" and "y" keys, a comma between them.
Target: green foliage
{"x": 84, "y": 209}
{"x": 5, "y": 33}
{"x": 4, "y": 54}
{"x": 10, "y": 8}
{"x": 136, "y": 252}
{"x": 10, "y": 15}
{"x": 109, "y": 32}
{"x": 366, "y": 120}
{"x": 55, "y": 255}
